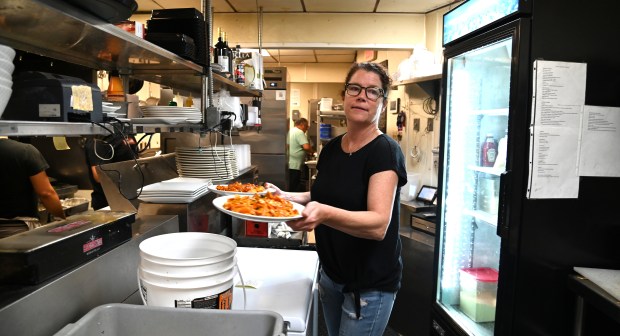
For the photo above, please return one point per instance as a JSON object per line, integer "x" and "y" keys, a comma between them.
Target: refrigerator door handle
{"x": 502, "y": 216}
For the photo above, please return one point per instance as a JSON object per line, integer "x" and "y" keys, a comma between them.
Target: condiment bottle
{"x": 488, "y": 152}
{"x": 189, "y": 102}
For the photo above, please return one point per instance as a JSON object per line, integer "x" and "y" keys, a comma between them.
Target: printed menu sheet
{"x": 558, "y": 99}
{"x": 600, "y": 139}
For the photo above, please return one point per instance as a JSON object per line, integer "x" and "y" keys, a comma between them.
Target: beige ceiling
{"x": 304, "y": 6}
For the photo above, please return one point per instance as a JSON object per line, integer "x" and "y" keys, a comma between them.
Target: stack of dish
{"x": 216, "y": 163}
{"x": 176, "y": 190}
{"x": 6, "y": 75}
{"x": 169, "y": 115}
{"x": 244, "y": 157}
{"x": 112, "y": 110}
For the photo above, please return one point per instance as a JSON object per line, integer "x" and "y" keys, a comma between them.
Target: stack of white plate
{"x": 216, "y": 163}
{"x": 111, "y": 110}
{"x": 244, "y": 157}
{"x": 177, "y": 190}
{"x": 6, "y": 75}
{"x": 170, "y": 114}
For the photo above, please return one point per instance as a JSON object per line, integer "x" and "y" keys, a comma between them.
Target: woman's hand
{"x": 297, "y": 197}
{"x": 276, "y": 191}
{"x": 312, "y": 217}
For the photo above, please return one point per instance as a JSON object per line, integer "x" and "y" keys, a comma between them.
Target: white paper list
{"x": 600, "y": 141}
{"x": 557, "y": 102}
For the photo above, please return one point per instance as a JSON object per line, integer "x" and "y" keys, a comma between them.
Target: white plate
{"x": 219, "y": 204}
{"x": 170, "y": 199}
{"x": 214, "y": 189}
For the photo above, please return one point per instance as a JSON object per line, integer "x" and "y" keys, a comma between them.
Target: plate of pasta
{"x": 260, "y": 208}
{"x": 238, "y": 188}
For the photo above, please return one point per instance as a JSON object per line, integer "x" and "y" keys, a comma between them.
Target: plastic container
{"x": 125, "y": 319}
{"x": 184, "y": 270}
{"x": 488, "y": 152}
{"x": 187, "y": 270}
{"x": 478, "y": 293}
{"x": 216, "y": 293}
{"x": 325, "y": 131}
{"x": 187, "y": 248}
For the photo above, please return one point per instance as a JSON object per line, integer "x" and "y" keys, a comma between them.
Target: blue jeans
{"x": 339, "y": 310}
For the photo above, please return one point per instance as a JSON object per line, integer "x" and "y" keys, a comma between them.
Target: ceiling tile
{"x": 296, "y": 52}
{"x": 410, "y": 6}
{"x": 295, "y": 6}
{"x": 297, "y": 59}
{"x": 268, "y": 6}
{"x": 353, "y": 6}
{"x": 336, "y": 58}
{"x": 335, "y": 52}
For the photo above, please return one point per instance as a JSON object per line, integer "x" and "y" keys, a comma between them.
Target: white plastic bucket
{"x": 187, "y": 270}
{"x": 166, "y": 280}
{"x": 214, "y": 295}
{"x": 187, "y": 248}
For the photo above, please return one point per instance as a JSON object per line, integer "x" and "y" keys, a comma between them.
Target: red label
{"x": 92, "y": 244}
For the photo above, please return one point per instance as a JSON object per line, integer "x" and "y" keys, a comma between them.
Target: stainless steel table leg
{"x": 578, "y": 326}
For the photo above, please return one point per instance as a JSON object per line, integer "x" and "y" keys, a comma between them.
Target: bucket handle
{"x": 245, "y": 301}
{"x": 140, "y": 287}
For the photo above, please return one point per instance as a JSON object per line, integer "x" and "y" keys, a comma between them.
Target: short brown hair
{"x": 301, "y": 121}
{"x": 377, "y": 68}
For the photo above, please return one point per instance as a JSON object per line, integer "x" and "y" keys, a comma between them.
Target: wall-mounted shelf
{"x": 56, "y": 29}
{"x": 430, "y": 84}
{"x": 164, "y": 128}
{"x": 47, "y": 128}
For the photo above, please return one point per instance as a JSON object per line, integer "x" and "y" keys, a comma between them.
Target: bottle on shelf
{"x": 229, "y": 53}
{"x": 189, "y": 102}
{"x": 239, "y": 67}
{"x": 488, "y": 152}
{"x": 500, "y": 160}
{"x": 221, "y": 55}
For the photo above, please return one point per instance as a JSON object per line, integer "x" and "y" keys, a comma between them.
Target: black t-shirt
{"x": 104, "y": 154}
{"x": 19, "y": 161}
{"x": 342, "y": 181}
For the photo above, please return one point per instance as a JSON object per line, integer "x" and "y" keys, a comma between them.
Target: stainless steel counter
{"x": 111, "y": 278}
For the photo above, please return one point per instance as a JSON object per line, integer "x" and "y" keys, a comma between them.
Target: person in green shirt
{"x": 298, "y": 148}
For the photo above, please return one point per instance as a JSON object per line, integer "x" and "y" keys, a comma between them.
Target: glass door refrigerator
{"x": 502, "y": 260}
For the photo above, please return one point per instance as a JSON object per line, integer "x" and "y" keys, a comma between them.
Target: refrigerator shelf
{"x": 502, "y": 112}
{"x": 486, "y": 170}
{"x": 482, "y": 215}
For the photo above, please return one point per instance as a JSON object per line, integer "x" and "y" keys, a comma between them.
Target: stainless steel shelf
{"x": 430, "y": 84}
{"x": 58, "y": 30}
{"x": 417, "y": 80}
{"x": 165, "y": 128}
{"x": 235, "y": 89}
{"x": 47, "y": 128}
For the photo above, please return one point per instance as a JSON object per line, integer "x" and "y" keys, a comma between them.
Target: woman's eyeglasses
{"x": 372, "y": 92}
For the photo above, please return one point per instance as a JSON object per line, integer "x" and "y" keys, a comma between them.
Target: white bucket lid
{"x": 188, "y": 282}
{"x": 187, "y": 248}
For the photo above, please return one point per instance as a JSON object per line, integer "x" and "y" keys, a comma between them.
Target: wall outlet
{"x": 429, "y": 124}
{"x": 416, "y": 124}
